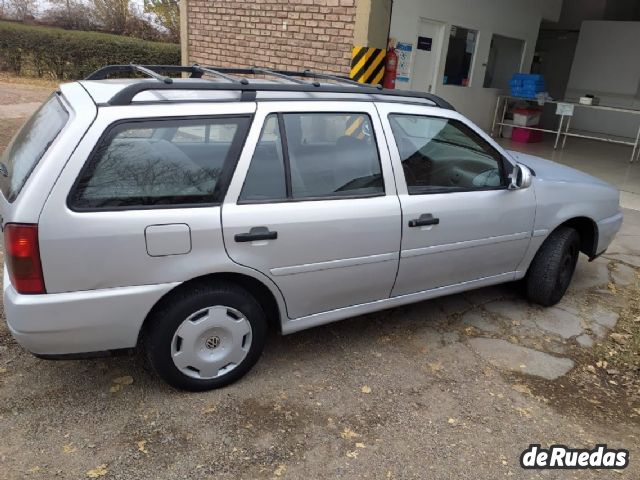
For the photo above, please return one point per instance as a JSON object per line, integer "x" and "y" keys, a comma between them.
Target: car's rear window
{"x": 29, "y": 145}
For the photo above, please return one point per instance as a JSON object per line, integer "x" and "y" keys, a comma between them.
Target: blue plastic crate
{"x": 526, "y": 85}
{"x": 530, "y": 77}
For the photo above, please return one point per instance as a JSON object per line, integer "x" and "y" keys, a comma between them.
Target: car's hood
{"x": 554, "y": 172}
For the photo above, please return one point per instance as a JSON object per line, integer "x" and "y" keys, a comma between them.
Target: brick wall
{"x": 280, "y": 34}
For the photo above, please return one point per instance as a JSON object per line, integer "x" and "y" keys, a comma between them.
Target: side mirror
{"x": 520, "y": 177}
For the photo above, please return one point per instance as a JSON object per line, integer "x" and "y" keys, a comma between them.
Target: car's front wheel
{"x": 552, "y": 268}
{"x": 206, "y": 337}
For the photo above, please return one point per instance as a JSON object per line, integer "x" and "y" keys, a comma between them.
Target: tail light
{"x": 22, "y": 256}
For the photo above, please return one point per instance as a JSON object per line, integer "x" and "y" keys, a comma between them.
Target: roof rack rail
{"x": 132, "y": 67}
{"x": 248, "y": 89}
{"x": 151, "y": 73}
{"x": 326, "y": 76}
{"x": 284, "y": 76}
{"x": 211, "y": 71}
{"x": 103, "y": 73}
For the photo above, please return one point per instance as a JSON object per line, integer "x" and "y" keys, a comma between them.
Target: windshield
{"x": 29, "y": 145}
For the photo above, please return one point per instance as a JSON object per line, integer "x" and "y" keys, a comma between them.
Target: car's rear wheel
{"x": 552, "y": 268}
{"x": 205, "y": 337}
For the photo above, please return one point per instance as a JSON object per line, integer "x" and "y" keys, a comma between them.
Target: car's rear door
{"x": 460, "y": 222}
{"x": 313, "y": 205}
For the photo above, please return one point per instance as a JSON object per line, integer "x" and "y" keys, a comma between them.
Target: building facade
{"x": 462, "y": 50}
{"x": 280, "y": 34}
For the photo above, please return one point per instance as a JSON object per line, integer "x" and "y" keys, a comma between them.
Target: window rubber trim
{"x": 220, "y": 190}
{"x": 287, "y": 166}
{"x": 285, "y": 156}
{"x": 501, "y": 160}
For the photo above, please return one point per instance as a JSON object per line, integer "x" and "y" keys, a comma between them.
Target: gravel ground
{"x": 16, "y": 90}
{"x": 439, "y": 389}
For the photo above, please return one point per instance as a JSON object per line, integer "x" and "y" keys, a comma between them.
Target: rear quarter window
{"x": 29, "y": 145}
{"x": 171, "y": 162}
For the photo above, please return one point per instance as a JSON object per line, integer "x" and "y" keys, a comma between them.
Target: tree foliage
{"x": 155, "y": 20}
{"x": 22, "y": 9}
{"x": 167, "y": 14}
{"x": 72, "y": 14}
{"x": 113, "y": 15}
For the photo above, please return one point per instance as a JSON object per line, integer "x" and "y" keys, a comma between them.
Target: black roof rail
{"x": 247, "y": 88}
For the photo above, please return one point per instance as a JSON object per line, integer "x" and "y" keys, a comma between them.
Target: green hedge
{"x": 70, "y": 54}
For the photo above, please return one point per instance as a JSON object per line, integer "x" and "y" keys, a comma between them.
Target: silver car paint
{"x": 102, "y": 282}
{"x": 28, "y": 206}
{"x": 79, "y": 322}
{"x": 76, "y": 245}
{"x": 452, "y": 252}
{"x": 344, "y": 249}
{"x": 563, "y": 193}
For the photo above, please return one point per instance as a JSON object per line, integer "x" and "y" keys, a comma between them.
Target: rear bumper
{"x": 607, "y": 229}
{"x": 80, "y": 322}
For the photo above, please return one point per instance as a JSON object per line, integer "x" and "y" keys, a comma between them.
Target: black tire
{"x": 172, "y": 312}
{"x": 551, "y": 270}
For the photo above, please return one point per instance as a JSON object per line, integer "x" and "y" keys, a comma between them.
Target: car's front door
{"x": 313, "y": 205}
{"x": 460, "y": 222}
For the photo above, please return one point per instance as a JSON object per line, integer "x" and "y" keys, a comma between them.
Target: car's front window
{"x": 444, "y": 155}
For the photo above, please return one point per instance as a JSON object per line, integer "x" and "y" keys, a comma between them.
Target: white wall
{"x": 507, "y": 59}
{"x": 512, "y": 18}
{"x": 556, "y": 49}
{"x": 607, "y": 64}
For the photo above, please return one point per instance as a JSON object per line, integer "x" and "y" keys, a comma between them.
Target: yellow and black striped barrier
{"x": 354, "y": 126}
{"x": 367, "y": 65}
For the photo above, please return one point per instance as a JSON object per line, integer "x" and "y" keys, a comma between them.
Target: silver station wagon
{"x": 188, "y": 216}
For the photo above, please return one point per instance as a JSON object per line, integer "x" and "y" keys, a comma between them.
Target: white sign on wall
{"x": 565, "y": 109}
{"x": 404, "y": 52}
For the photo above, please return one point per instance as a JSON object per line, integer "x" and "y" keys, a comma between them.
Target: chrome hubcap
{"x": 211, "y": 342}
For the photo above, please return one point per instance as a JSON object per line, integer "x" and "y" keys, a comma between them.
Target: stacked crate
{"x": 526, "y": 117}
{"x": 526, "y": 85}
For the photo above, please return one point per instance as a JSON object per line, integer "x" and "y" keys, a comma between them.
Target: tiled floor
{"x": 609, "y": 162}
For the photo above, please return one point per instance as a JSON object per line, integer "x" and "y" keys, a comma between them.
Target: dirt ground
{"x": 451, "y": 388}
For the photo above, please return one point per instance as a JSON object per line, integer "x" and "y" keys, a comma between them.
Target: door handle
{"x": 425, "y": 219}
{"x": 256, "y": 233}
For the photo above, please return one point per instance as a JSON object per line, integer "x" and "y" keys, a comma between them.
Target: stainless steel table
{"x": 563, "y": 127}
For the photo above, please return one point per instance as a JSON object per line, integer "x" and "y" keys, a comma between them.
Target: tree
{"x": 113, "y": 15}
{"x": 72, "y": 14}
{"x": 23, "y": 9}
{"x": 167, "y": 14}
